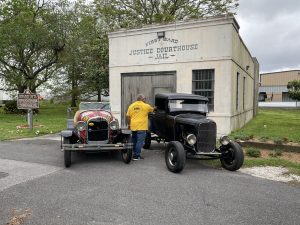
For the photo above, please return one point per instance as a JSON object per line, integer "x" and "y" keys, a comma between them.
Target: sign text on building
{"x": 163, "y": 52}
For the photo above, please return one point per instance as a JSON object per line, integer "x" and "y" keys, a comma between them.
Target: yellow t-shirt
{"x": 138, "y": 113}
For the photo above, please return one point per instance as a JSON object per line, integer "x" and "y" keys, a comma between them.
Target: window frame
{"x": 203, "y": 81}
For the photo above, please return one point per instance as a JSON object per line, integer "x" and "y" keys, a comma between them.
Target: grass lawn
{"x": 272, "y": 124}
{"x": 51, "y": 117}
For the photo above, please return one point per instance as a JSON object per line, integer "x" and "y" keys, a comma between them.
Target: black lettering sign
{"x": 163, "y": 52}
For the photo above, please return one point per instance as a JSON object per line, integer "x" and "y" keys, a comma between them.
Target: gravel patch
{"x": 271, "y": 173}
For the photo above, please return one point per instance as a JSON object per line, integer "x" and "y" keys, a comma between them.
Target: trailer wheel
{"x": 175, "y": 157}
{"x": 67, "y": 153}
{"x": 233, "y": 158}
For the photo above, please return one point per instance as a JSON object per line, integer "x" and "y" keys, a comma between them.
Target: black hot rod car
{"x": 95, "y": 129}
{"x": 181, "y": 120}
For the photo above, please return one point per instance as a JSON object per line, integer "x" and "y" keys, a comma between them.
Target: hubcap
{"x": 172, "y": 157}
{"x": 229, "y": 156}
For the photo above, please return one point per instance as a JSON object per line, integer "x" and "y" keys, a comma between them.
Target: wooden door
{"x": 148, "y": 84}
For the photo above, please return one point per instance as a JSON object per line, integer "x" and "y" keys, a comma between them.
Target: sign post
{"x": 28, "y": 101}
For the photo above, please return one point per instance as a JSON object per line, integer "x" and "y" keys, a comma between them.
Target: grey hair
{"x": 140, "y": 97}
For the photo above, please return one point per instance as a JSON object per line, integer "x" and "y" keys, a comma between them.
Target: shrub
{"x": 242, "y": 136}
{"x": 285, "y": 140}
{"x": 264, "y": 139}
{"x": 275, "y": 153}
{"x": 251, "y": 136}
{"x": 253, "y": 152}
{"x": 278, "y": 141}
{"x": 11, "y": 107}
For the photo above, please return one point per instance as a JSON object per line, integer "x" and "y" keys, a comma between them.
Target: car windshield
{"x": 188, "y": 105}
{"x": 94, "y": 105}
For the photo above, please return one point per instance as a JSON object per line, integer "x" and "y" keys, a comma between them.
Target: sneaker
{"x": 137, "y": 158}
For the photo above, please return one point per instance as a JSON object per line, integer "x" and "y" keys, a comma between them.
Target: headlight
{"x": 81, "y": 126}
{"x": 114, "y": 125}
{"x": 191, "y": 139}
{"x": 224, "y": 140}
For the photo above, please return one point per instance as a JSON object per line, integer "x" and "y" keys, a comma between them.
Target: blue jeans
{"x": 138, "y": 138}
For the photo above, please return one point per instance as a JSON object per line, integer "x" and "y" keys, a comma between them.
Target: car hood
{"x": 90, "y": 114}
{"x": 192, "y": 119}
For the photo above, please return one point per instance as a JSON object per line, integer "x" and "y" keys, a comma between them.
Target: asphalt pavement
{"x": 99, "y": 189}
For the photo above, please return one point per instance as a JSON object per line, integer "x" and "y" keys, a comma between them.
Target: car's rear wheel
{"x": 233, "y": 158}
{"x": 175, "y": 157}
{"x": 126, "y": 154}
{"x": 147, "y": 143}
{"x": 67, "y": 154}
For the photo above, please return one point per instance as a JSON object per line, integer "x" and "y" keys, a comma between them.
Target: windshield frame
{"x": 189, "y": 106}
{"x": 83, "y": 106}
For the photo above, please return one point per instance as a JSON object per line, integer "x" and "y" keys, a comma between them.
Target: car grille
{"x": 97, "y": 130}
{"x": 206, "y": 139}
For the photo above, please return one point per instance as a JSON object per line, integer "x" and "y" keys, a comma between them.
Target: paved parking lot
{"x": 101, "y": 190}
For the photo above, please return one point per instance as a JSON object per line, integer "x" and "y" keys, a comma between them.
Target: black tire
{"x": 126, "y": 154}
{"x": 67, "y": 154}
{"x": 233, "y": 158}
{"x": 175, "y": 157}
{"x": 147, "y": 143}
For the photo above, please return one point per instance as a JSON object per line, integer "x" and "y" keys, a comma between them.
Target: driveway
{"x": 99, "y": 189}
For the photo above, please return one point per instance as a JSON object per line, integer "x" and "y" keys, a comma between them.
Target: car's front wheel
{"x": 67, "y": 154}
{"x": 126, "y": 154}
{"x": 175, "y": 157}
{"x": 233, "y": 157}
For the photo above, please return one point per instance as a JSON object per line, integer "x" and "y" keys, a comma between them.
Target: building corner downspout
{"x": 255, "y": 86}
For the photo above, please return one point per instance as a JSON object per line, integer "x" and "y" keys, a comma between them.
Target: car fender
{"x": 66, "y": 133}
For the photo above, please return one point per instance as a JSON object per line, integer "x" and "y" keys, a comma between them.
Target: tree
{"x": 86, "y": 53}
{"x": 294, "y": 89}
{"x": 32, "y": 38}
{"x": 128, "y": 13}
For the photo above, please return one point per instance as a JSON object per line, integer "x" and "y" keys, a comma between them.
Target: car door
{"x": 158, "y": 119}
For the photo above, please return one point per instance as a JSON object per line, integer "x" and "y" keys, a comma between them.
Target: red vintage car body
{"x": 95, "y": 129}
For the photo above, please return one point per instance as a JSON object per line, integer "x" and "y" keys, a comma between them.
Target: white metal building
{"x": 205, "y": 57}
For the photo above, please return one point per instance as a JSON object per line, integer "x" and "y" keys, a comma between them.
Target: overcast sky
{"x": 271, "y": 31}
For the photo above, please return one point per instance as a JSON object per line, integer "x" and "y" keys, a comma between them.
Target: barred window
{"x": 204, "y": 84}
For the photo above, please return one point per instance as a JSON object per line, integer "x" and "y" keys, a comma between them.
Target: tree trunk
{"x": 21, "y": 88}
{"x": 73, "y": 101}
{"x": 73, "y": 91}
{"x": 99, "y": 95}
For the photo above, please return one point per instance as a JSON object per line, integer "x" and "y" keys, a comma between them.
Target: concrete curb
{"x": 284, "y": 147}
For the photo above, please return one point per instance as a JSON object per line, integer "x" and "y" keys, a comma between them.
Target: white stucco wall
{"x": 214, "y": 44}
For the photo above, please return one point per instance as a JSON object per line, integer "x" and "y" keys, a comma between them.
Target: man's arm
{"x": 128, "y": 121}
{"x": 151, "y": 109}
{"x": 76, "y": 117}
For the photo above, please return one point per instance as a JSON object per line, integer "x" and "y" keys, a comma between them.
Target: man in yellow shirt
{"x": 137, "y": 119}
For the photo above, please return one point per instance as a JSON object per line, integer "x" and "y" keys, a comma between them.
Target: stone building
{"x": 205, "y": 57}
